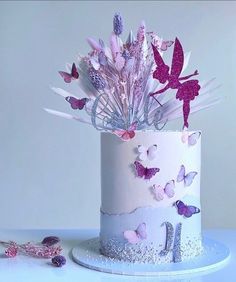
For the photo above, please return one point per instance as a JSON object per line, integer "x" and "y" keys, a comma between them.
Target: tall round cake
{"x": 150, "y": 206}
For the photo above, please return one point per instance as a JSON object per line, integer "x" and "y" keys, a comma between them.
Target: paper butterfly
{"x": 145, "y": 172}
{"x": 159, "y": 192}
{"x": 186, "y": 210}
{"x": 126, "y": 135}
{"x": 68, "y": 77}
{"x": 187, "y": 178}
{"x": 165, "y": 44}
{"x": 76, "y": 103}
{"x": 159, "y": 42}
{"x": 191, "y": 139}
{"x": 147, "y": 153}
{"x": 135, "y": 236}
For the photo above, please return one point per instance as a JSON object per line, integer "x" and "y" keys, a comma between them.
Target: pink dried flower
{"x": 11, "y": 251}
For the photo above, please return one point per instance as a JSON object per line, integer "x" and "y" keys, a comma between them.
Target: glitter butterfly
{"x": 191, "y": 139}
{"x": 128, "y": 134}
{"x": 147, "y": 153}
{"x": 186, "y": 210}
{"x": 145, "y": 172}
{"x": 135, "y": 236}
{"x": 68, "y": 77}
{"x": 187, "y": 178}
{"x": 77, "y": 103}
{"x": 160, "y": 192}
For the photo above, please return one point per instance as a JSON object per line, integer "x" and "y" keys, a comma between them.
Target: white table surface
{"x": 24, "y": 269}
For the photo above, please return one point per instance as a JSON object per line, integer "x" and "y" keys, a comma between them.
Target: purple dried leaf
{"x": 94, "y": 45}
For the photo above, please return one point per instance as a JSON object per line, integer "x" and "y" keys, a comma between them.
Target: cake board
{"x": 215, "y": 255}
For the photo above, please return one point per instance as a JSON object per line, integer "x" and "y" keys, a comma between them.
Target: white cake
{"x": 129, "y": 201}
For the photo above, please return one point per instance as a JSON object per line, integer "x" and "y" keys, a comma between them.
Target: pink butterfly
{"x": 165, "y": 44}
{"x": 76, "y": 103}
{"x": 160, "y": 192}
{"x": 147, "y": 153}
{"x": 135, "y": 236}
{"x": 145, "y": 172}
{"x": 68, "y": 77}
{"x": 159, "y": 43}
{"x": 192, "y": 138}
{"x": 186, "y": 210}
{"x": 187, "y": 178}
{"x": 126, "y": 135}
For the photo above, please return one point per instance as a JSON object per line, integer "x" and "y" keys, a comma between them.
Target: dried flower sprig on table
{"x": 48, "y": 248}
{"x": 127, "y": 83}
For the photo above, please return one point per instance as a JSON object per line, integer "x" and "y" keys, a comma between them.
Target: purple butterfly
{"x": 145, "y": 172}
{"x": 68, "y": 77}
{"x": 187, "y": 178}
{"x": 190, "y": 139}
{"x": 135, "y": 236}
{"x": 76, "y": 103}
{"x": 193, "y": 138}
{"x": 186, "y": 210}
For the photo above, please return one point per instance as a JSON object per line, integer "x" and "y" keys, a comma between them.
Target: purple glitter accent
{"x": 169, "y": 238}
{"x": 97, "y": 81}
{"x": 117, "y": 24}
{"x": 177, "y": 244}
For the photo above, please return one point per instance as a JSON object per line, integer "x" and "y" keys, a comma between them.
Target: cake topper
{"x": 125, "y": 86}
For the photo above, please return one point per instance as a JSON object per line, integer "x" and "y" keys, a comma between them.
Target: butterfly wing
{"x": 82, "y": 102}
{"x": 123, "y": 134}
{"x": 66, "y": 76}
{"x": 141, "y": 231}
{"x": 188, "y": 179}
{"x": 150, "y": 172}
{"x": 152, "y": 152}
{"x": 193, "y": 138}
{"x": 131, "y": 236}
{"x": 140, "y": 169}
{"x": 74, "y": 72}
{"x": 178, "y": 59}
{"x": 190, "y": 210}
{"x": 142, "y": 152}
{"x": 181, "y": 175}
{"x": 158, "y": 192}
{"x": 181, "y": 207}
{"x": 73, "y": 102}
{"x": 169, "y": 188}
{"x": 131, "y": 134}
{"x": 165, "y": 45}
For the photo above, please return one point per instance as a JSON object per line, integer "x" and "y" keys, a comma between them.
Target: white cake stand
{"x": 214, "y": 256}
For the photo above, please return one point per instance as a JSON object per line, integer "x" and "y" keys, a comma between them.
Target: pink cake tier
{"x": 157, "y": 219}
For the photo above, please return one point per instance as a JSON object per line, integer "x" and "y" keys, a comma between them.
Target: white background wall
{"x": 49, "y": 167}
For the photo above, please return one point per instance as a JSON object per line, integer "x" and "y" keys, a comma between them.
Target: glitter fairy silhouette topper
{"x": 123, "y": 86}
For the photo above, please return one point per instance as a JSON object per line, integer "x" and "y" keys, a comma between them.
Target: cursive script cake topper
{"x": 125, "y": 86}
